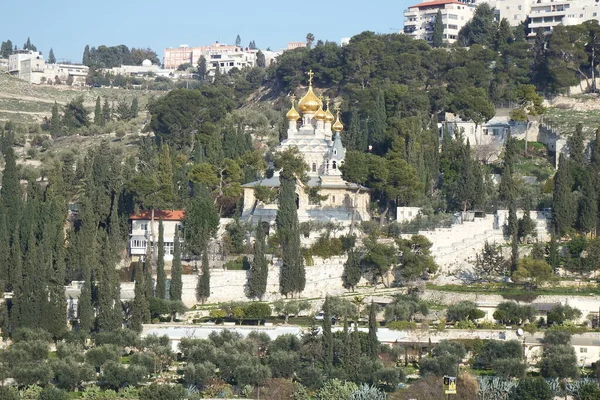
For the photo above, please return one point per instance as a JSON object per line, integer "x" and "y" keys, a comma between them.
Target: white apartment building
{"x": 217, "y": 55}
{"x": 31, "y": 67}
{"x": 142, "y": 227}
{"x": 546, "y": 14}
{"x": 515, "y": 11}
{"x": 419, "y": 19}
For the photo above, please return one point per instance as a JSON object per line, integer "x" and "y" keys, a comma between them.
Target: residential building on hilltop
{"x": 547, "y": 14}
{"x": 419, "y": 20}
{"x": 31, "y": 67}
{"x": 318, "y": 138}
{"x": 142, "y": 227}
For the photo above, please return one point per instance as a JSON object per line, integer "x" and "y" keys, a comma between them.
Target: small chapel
{"x": 316, "y": 132}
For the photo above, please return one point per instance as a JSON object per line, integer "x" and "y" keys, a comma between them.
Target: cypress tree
{"x": 56, "y": 315}
{"x": 10, "y": 192}
{"x": 55, "y": 123}
{"x": 257, "y": 282}
{"x": 563, "y": 214}
{"x": 352, "y": 270}
{"x": 4, "y": 252}
{"x": 437, "y": 39}
{"x": 372, "y": 341}
{"x": 34, "y": 293}
{"x": 106, "y": 112}
{"x": 51, "y": 57}
{"x": 98, "y": 116}
{"x": 161, "y": 276}
{"x": 587, "y": 215}
{"x": 354, "y": 355}
{"x": 290, "y": 278}
{"x": 109, "y": 303}
{"x": 86, "y": 56}
{"x": 149, "y": 287}
{"x": 576, "y": 146}
{"x": 553, "y": 254}
{"x": 466, "y": 184}
{"x": 85, "y": 309}
{"x": 16, "y": 280}
{"x": 203, "y": 286}
{"x": 176, "y": 286}
{"x": 355, "y": 138}
{"x": 135, "y": 108}
{"x": 378, "y": 133}
{"x": 327, "y": 337}
{"x": 141, "y": 308}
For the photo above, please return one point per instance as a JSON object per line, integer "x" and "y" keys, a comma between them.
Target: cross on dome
{"x": 310, "y": 74}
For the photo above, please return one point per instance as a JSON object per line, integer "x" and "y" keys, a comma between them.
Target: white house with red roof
{"x": 143, "y": 227}
{"x": 419, "y": 19}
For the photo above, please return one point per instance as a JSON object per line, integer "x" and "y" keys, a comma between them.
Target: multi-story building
{"x": 31, "y": 67}
{"x": 217, "y": 55}
{"x": 419, "y": 19}
{"x": 546, "y": 14}
{"x": 143, "y": 227}
{"x": 515, "y": 11}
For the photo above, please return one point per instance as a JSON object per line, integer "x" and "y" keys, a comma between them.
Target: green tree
{"x": 372, "y": 345}
{"x": 559, "y": 361}
{"x": 310, "y": 38}
{"x": 238, "y": 41}
{"x": 75, "y": 114}
{"x": 562, "y": 313}
{"x": 141, "y": 309}
{"x": 260, "y": 59}
{"x": 176, "y": 286}
{"x": 378, "y": 137}
{"x": 203, "y": 286}
{"x": 161, "y": 276}
{"x": 437, "y": 39}
{"x": 202, "y": 68}
{"x": 292, "y": 278}
{"x": 532, "y": 272}
{"x": 51, "y": 58}
{"x": 352, "y": 270}
{"x": 465, "y": 310}
{"x": 162, "y": 392}
{"x": 200, "y": 224}
{"x": 106, "y": 111}
{"x": 135, "y": 108}
{"x": 55, "y": 123}
{"x": 98, "y": 116}
{"x": 257, "y": 282}
{"x": 481, "y": 29}
{"x": 6, "y": 49}
{"x": 563, "y": 212}
{"x": 327, "y": 336}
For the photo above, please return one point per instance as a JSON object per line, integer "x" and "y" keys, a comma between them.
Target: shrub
{"x": 162, "y": 392}
{"x": 402, "y": 325}
{"x": 8, "y": 393}
{"x": 52, "y": 393}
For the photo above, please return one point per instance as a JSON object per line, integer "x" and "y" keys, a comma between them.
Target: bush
{"x": 8, "y": 393}
{"x": 239, "y": 264}
{"x": 464, "y": 310}
{"x": 162, "y": 392}
{"x": 402, "y": 325}
{"x": 326, "y": 247}
{"x": 52, "y": 393}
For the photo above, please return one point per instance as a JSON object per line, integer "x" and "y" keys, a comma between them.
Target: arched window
{"x": 334, "y": 165}
{"x": 314, "y": 167}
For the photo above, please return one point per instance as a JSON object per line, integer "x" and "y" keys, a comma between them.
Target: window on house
{"x": 314, "y": 167}
{"x": 333, "y": 199}
{"x": 169, "y": 248}
{"x": 144, "y": 226}
{"x": 583, "y": 349}
{"x": 334, "y": 165}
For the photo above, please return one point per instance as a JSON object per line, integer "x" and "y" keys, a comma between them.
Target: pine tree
{"x": 203, "y": 286}
{"x": 327, "y": 336}
{"x": 176, "y": 286}
{"x": 161, "y": 277}
{"x": 135, "y": 108}
{"x": 372, "y": 341}
{"x": 98, "y": 116}
{"x": 563, "y": 214}
{"x": 238, "y": 41}
{"x": 51, "y": 58}
{"x": 140, "y": 312}
{"x": 352, "y": 270}
{"x": 437, "y": 39}
{"x": 257, "y": 282}
{"x": 378, "y": 137}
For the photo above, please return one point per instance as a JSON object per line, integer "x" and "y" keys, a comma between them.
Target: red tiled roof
{"x": 166, "y": 215}
{"x": 435, "y": 3}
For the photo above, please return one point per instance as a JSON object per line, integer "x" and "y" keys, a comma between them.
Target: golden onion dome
{"x": 328, "y": 115}
{"x": 310, "y": 103}
{"x": 292, "y": 114}
{"x": 320, "y": 115}
{"x": 338, "y": 127}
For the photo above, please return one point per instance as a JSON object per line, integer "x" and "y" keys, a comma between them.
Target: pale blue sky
{"x": 67, "y": 26}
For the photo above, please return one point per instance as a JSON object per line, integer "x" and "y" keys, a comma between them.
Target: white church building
{"x": 316, "y": 133}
